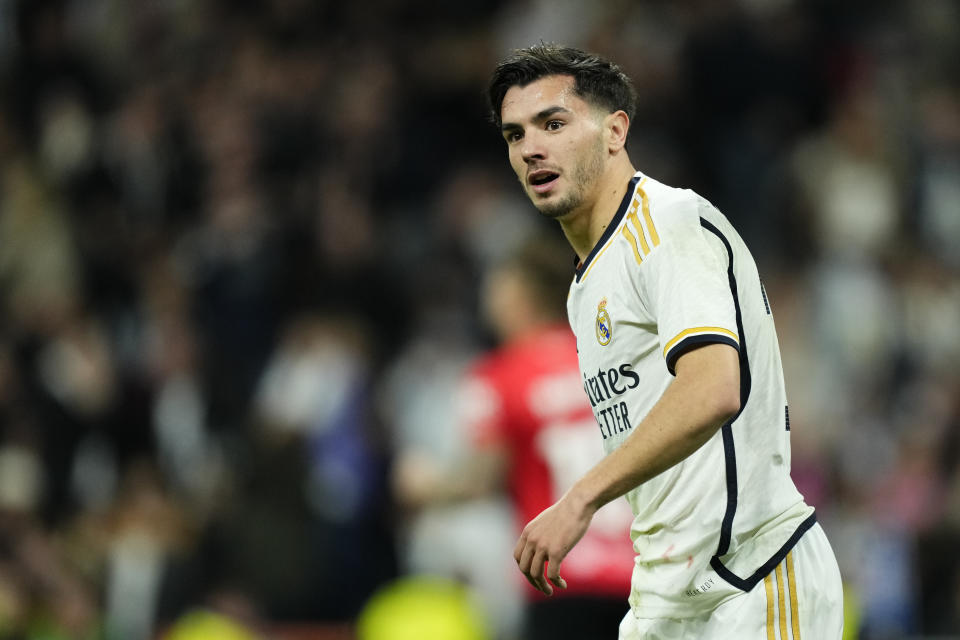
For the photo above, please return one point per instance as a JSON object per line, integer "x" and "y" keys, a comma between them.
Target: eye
{"x": 513, "y": 136}
{"x": 554, "y": 125}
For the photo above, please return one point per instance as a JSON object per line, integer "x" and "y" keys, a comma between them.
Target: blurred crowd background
{"x": 241, "y": 245}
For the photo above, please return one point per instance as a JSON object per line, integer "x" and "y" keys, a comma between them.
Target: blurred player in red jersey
{"x": 524, "y": 409}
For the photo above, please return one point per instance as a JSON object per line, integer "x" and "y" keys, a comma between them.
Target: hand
{"x": 415, "y": 479}
{"x": 548, "y": 538}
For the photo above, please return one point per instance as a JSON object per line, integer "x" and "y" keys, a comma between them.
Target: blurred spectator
{"x": 38, "y": 258}
{"x": 468, "y": 542}
{"x": 848, "y": 179}
{"x": 312, "y": 494}
{"x": 939, "y": 173}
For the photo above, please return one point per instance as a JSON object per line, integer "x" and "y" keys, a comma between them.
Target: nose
{"x": 531, "y": 148}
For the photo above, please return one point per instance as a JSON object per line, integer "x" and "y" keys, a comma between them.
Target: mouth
{"x": 543, "y": 180}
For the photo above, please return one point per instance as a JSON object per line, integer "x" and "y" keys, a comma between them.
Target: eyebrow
{"x": 540, "y": 117}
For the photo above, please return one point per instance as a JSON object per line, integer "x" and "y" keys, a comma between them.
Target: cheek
{"x": 576, "y": 147}
{"x": 585, "y": 153}
{"x": 517, "y": 163}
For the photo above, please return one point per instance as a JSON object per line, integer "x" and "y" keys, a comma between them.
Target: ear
{"x": 615, "y": 127}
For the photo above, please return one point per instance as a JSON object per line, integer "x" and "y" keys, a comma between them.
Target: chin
{"x": 553, "y": 213}
{"x": 556, "y": 210}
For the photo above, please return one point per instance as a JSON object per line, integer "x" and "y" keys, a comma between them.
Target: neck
{"x": 584, "y": 227}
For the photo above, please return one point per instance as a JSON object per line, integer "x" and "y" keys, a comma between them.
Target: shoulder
{"x": 671, "y": 209}
{"x": 488, "y": 368}
{"x": 507, "y": 365}
{"x": 664, "y": 219}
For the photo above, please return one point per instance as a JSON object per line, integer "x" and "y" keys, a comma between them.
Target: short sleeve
{"x": 687, "y": 285}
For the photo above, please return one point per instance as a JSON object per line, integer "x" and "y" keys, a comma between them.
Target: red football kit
{"x": 527, "y": 397}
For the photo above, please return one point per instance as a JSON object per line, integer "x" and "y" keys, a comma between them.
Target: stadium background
{"x": 240, "y": 247}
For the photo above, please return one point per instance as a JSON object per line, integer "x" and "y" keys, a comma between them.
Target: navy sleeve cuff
{"x": 687, "y": 343}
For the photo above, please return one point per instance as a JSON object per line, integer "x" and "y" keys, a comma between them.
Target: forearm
{"x": 479, "y": 475}
{"x": 698, "y": 402}
{"x": 419, "y": 481}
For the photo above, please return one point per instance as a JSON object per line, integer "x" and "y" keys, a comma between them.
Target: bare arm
{"x": 704, "y": 395}
{"x": 418, "y": 481}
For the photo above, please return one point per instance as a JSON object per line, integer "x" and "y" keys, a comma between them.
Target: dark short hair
{"x": 596, "y": 80}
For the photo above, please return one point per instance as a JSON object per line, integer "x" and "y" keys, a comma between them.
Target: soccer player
{"x": 679, "y": 359}
{"x": 533, "y": 434}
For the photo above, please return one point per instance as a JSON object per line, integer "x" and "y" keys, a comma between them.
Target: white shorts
{"x": 802, "y": 599}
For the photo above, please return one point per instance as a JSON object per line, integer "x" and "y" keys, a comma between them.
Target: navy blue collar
{"x": 614, "y": 223}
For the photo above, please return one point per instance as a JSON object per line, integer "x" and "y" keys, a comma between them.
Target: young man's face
{"x": 555, "y": 143}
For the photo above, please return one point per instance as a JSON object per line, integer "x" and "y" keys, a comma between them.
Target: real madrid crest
{"x": 604, "y": 326}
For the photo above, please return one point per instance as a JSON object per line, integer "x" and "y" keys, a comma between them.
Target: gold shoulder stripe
{"x": 768, "y": 586}
{"x": 686, "y": 332}
{"x": 638, "y": 240}
{"x": 632, "y": 217}
{"x": 794, "y": 609}
{"x": 654, "y": 236}
{"x": 781, "y": 604}
{"x": 625, "y": 230}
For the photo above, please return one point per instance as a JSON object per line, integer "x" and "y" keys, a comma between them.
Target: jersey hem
{"x": 746, "y": 584}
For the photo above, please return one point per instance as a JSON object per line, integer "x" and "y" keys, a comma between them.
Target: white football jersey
{"x": 668, "y": 273}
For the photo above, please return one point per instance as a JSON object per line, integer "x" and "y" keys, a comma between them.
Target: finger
{"x": 532, "y": 583}
{"x": 518, "y": 548}
{"x": 524, "y": 561}
{"x": 526, "y": 557}
{"x": 536, "y": 572}
{"x": 553, "y": 572}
